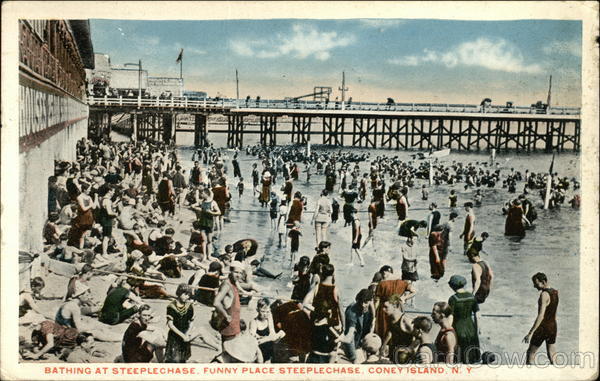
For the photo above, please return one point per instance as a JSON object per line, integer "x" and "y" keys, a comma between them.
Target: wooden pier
{"x": 389, "y": 129}
{"x": 405, "y": 132}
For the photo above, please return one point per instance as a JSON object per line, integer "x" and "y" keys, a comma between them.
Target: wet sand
{"x": 552, "y": 248}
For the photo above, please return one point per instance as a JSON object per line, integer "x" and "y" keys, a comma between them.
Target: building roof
{"x": 83, "y": 39}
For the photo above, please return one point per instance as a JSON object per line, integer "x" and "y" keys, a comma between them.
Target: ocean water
{"x": 552, "y": 248}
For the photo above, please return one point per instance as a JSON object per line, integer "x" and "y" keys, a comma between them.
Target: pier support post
{"x": 268, "y": 130}
{"x": 200, "y": 130}
{"x": 235, "y": 131}
{"x": 167, "y": 128}
{"x": 134, "y": 127}
{"x": 301, "y": 126}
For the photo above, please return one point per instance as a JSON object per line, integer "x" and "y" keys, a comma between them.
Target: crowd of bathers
{"x": 116, "y": 214}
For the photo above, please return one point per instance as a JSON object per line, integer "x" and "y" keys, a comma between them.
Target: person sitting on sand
{"x": 69, "y": 315}
{"x": 50, "y": 337}
{"x": 29, "y": 311}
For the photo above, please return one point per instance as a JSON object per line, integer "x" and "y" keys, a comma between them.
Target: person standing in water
{"x": 446, "y": 342}
{"x": 372, "y": 212}
{"x": 544, "y": 328}
{"x": 453, "y": 199}
{"x": 409, "y": 266}
{"x": 281, "y": 224}
{"x": 466, "y": 322}
{"x": 322, "y": 216}
{"x": 356, "y": 238}
{"x": 402, "y": 206}
{"x": 468, "y": 233}
{"x": 481, "y": 275}
{"x": 434, "y": 217}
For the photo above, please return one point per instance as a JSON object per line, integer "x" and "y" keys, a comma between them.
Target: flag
{"x": 551, "y": 165}
{"x": 179, "y": 57}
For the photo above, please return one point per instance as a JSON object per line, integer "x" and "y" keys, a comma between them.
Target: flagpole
{"x": 237, "y": 89}
{"x": 180, "y": 62}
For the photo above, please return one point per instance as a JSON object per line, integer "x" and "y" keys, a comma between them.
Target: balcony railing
{"x": 36, "y": 57}
{"x": 228, "y": 104}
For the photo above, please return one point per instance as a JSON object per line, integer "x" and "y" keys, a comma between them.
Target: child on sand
{"x": 240, "y": 187}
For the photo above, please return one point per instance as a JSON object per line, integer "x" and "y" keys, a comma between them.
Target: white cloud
{"x": 563, "y": 47}
{"x": 303, "y": 42}
{"x": 381, "y": 23}
{"x": 498, "y": 55}
{"x": 188, "y": 49}
{"x": 145, "y": 41}
{"x": 405, "y": 61}
{"x": 193, "y": 51}
{"x": 241, "y": 48}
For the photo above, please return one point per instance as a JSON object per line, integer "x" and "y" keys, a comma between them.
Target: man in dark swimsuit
{"x": 446, "y": 341}
{"x": 133, "y": 348}
{"x": 481, "y": 275}
{"x": 425, "y": 352}
{"x": 359, "y": 320}
{"x": 544, "y": 327}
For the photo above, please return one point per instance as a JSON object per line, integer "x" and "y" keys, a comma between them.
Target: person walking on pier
{"x": 544, "y": 327}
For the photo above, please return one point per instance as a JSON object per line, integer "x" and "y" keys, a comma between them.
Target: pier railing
{"x": 228, "y": 104}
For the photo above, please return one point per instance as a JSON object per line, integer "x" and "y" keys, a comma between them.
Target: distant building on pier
{"x": 165, "y": 86}
{"x": 53, "y": 113}
{"x": 195, "y": 95}
{"x": 125, "y": 80}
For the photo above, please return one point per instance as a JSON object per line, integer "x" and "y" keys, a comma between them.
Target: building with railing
{"x": 53, "y": 112}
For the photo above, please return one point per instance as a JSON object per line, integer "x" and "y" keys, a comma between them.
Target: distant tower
{"x": 549, "y": 94}
{"x": 343, "y": 89}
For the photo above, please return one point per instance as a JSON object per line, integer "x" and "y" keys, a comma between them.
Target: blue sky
{"x": 408, "y": 60}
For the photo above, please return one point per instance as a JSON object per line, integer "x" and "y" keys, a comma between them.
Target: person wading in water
{"x": 544, "y": 327}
